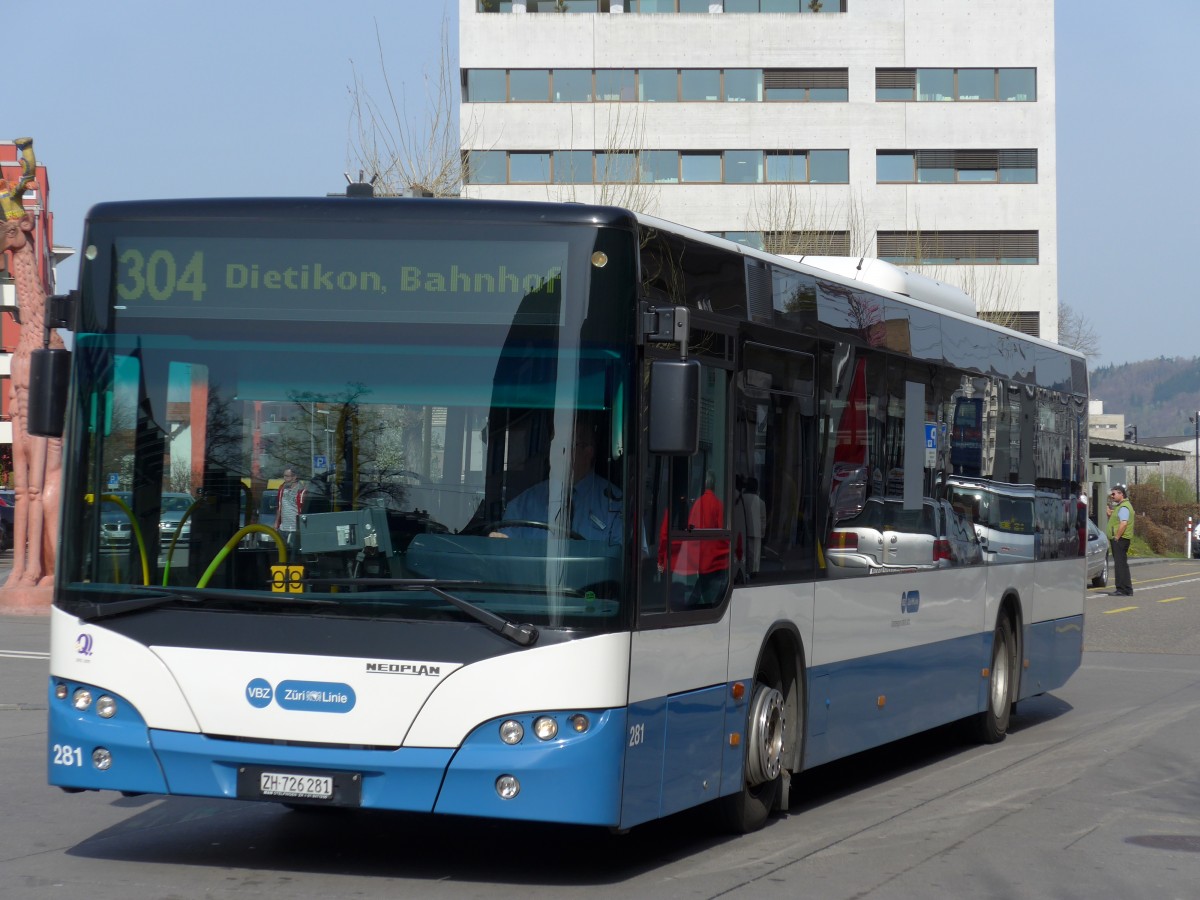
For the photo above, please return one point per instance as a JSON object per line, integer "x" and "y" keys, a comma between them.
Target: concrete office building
{"x": 919, "y": 131}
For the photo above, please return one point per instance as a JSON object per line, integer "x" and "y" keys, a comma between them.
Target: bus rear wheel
{"x": 748, "y": 809}
{"x": 991, "y": 725}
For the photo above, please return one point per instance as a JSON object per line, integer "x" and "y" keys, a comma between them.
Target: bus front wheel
{"x": 747, "y": 809}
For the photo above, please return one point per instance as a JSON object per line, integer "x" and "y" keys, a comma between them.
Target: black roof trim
{"x": 375, "y": 209}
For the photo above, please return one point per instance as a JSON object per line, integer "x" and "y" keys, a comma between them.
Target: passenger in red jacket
{"x": 705, "y": 560}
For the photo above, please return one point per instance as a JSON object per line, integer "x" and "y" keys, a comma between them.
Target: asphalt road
{"x": 1094, "y": 795}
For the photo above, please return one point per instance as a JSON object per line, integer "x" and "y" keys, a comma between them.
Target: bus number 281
{"x": 637, "y": 734}
{"x": 65, "y": 755}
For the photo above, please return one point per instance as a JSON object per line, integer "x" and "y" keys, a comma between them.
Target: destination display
{"x": 470, "y": 281}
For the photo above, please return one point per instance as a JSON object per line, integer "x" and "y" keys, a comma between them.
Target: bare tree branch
{"x": 1077, "y": 332}
{"x": 408, "y": 152}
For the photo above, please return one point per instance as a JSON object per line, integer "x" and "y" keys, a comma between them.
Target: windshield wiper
{"x": 522, "y": 634}
{"x": 161, "y": 597}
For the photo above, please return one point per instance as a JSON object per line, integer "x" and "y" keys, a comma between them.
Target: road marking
{"x": 1172, "y": 599}
{"x": 23, "y": 654}
{"x": 1109, "y": 612}
{"x": 1171, "y": 578}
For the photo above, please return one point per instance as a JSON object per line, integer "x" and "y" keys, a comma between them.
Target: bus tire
{"x": 748, "y": 808}
{"x": 991, "y": 725}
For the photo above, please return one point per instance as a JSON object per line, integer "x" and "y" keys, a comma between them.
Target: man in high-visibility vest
{"x": 1120, "y": 531}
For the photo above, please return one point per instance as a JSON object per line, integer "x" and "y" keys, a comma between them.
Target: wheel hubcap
{"x": 1000, "y": 675}
{"x": 768, "y": 727}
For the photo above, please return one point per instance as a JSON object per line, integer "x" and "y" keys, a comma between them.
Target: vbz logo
{"x": 259, "y": 693}
{"x": 910, "y": 601}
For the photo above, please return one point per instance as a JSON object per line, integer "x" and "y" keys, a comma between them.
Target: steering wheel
{"x": 497, "y": 524}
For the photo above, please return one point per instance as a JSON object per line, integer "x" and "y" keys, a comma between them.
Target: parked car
{"x": 886, "y": 537}
{"x": 116, "y": 529}
{"x": 8, "y": 502}
{"x": 174, "y": 507}
{"x": 1097, "y": 555}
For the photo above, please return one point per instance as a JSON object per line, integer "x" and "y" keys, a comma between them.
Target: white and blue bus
{"x": 437, "y": 619}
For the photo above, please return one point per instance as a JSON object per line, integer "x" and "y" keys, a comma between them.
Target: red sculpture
{"x": 37, "y": 461}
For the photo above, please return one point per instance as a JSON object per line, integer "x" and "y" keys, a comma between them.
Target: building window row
{"x": 742, "y": 85}
{"x": 661, "y": 6}
{"x": 910, "y": 248}
{"x": 956, "y": 166}
{"x": 654, "y": 85}
{"x": 658, "y": 167}
{"x": 958, "y": 248}
{"x": 934, "y": 85}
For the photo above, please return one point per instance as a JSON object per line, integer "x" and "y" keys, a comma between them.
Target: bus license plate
{"x": 299, "y": 787}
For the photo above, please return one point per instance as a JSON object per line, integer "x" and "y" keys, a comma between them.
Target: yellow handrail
{"x": 233, "y": 542}
{"x": 137, "y": 532}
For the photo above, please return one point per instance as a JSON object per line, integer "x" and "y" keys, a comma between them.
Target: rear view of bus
{"x": 397, "y": 639}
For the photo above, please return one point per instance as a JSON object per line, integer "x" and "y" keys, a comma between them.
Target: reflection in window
{"x": 743, "y": 166}
{"x": 701, "y": 84}
{"x": 616, "y": 168}
{"x": 658, "y": 85}
{"x": 935, "y": 84}
{"x": 747, "y": 238}
{"x": 529, "y": 84}
{"x": 616, "y": 84}
{"x": 956, "y": 166}
{"x": 572, "y": 85}
{"x": 956, "y": 84}
{"x": 487, "y": 167}
{"x": 894, "y": 167}
{"x": 787, "y": 167}
{"x": 660, "y": 166}
{"x": 701, "y": 167}
{"x": 572, "y": 167}
{"x": 1018, "y": 84}
{"x": 567, "y": 6}
{"x": 935, "y": 175}
{"x": 774, "y": 436}
{"x": 687, "y": 564}
{"x": 529, "y": 168}
{"x": 486, "y": 86}
{"x": 743, "y": 85}
{"x": 828, "y": 166}
{"x": 976, "y": 84}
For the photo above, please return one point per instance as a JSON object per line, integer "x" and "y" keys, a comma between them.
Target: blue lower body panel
{"x": 572, "y": 778}
{"x": 862, "y": 703}
{"x": 1054, "y": 650}
{"x": 406, "y": 779}
{"x": 575, "y": 778}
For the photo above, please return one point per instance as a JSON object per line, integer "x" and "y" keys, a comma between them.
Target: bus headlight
{"x": 579, "y": 723}
{"x": 511, "y": 731}
{"x": 545, "y": 728}
{"x": 101, "y": 758}
{"x": 61, "y": 691}
{"x": 106, "y": 706}
{"x": 82, "y": 699}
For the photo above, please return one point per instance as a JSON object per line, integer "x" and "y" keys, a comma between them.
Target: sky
{"x": 160, "y": 98}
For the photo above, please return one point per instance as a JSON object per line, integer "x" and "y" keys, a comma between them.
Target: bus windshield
{"x": 346, "y": 419}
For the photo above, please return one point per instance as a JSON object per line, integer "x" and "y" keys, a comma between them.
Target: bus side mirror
{"x": 49, "y": 376}
{"x": 674, "y": 414}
